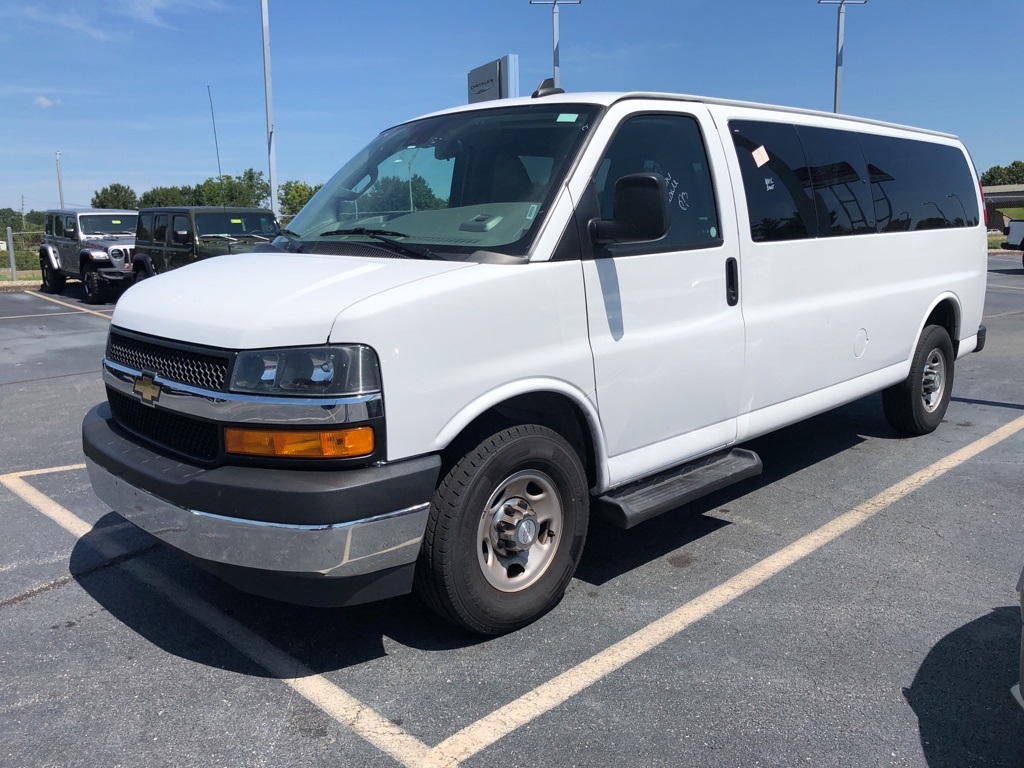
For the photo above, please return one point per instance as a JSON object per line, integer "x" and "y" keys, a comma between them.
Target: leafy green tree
{"x": 998, "y": 174}
{"x": 115, "y": 196}
{"x": 9, "y": 218}
{"x": 391, "y": 194}
{"x": 163, "y": 196}
{"x": 249, "y": 190}
{"x": 34, "y": 219}
{"x": 292, "y": 195}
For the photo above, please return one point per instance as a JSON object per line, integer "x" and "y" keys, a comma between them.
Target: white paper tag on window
{"x": 760, "y": 156}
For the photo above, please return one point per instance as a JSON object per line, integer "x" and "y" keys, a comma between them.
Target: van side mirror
{"x": 639, "y": 212}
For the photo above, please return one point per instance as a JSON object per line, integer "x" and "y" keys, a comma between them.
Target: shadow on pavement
{"x": 961, "y": 695}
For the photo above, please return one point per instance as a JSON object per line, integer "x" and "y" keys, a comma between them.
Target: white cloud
{"x": 45, "y": 103}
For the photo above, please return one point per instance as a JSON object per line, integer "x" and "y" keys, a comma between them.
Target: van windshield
{"x": 455, "y": 184}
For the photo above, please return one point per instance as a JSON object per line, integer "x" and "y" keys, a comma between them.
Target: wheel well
{"x": 549, "y": 409}
{"x": 945, "y": 314}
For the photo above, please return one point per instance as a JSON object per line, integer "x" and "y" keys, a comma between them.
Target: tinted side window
{"x": 48, "y": 224}
{"x": 671, "y": 145}
{"x": 180, "y": 223}
{"x": 919, "y": 185}
{"x": 144, "y": 230}
{"x": 58, "y": 226}
{"x": 775, "y": 179}
{"x": 160, "y": 227}
{"x": 839, "y": 180}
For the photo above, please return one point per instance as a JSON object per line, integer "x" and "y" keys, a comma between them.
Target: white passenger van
{"x": 497, "y": 320}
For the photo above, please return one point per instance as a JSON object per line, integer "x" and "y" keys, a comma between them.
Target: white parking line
{"x": 410, "y": 751}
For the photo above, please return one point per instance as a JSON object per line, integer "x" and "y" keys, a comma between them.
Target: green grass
{"x": 23, "y": 274}
{"x": 1013, "y": 213}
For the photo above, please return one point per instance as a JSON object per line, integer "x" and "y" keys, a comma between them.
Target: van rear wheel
{"x": 506, "y": 531}
{"x": 917, "y": 405}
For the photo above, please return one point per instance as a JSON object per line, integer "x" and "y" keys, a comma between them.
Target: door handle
{"x": 732, "y": 282}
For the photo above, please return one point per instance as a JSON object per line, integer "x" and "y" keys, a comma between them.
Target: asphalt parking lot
{"x": 853, "y": 606}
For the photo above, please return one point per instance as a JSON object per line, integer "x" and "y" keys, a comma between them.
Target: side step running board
{"x": 634, "y": 503}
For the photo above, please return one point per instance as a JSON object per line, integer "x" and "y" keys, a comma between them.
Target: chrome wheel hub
{"x": 518, "y": 531}
{"x": 933, "y": 380}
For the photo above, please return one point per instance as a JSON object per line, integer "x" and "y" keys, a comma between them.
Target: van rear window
{"x": 803, "y": 181}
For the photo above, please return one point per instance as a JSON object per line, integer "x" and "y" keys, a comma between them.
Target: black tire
{"x": 95, "y": 291}
{"x": 917, "y": 405}
{"x": 141, "y": 273}
{"x": 483, "y": 565}
{"x": 53, "y": 281}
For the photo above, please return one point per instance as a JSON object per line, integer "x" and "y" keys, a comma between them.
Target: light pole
{"x": 272, "y": 160}
{"x": 60, "y": 184}
{"x": 554, "y": 25}
{"x": 840, "y": 34}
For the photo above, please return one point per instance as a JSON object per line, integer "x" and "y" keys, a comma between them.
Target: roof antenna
{"x": 546, "y": 88}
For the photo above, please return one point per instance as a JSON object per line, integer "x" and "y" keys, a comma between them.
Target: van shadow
{"x": 164, "y": 598}
{"x": 611, "y": 552}
{"x": 961, "y": 695}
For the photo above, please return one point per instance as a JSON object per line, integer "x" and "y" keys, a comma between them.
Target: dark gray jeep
{"x": 168, "y": 238}
{"x": 94, "y": 245}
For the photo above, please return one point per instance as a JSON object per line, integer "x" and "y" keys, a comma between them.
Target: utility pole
{"x": 22, "y": 213}
{"x": 270, "y": 109}
{"x": 60, "y": 184}
{"x": 554, "y": 26}
{"x": 840, "y": 39}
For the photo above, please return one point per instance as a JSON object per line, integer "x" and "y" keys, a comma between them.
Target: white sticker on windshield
{"x": 531, "y": 213}
{"x": 566, "y": 117}
{"x": 760, "y": 156}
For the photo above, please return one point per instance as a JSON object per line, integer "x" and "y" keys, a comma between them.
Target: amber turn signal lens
{"x": 328, "y": 444}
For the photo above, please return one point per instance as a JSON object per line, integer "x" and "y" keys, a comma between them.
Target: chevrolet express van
{"x": 498, "y": 320}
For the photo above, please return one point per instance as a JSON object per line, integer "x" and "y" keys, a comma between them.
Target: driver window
{"x": 670, "y": 145}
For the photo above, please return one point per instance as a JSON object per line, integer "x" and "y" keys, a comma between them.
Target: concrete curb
{"x": 20, "y": 285}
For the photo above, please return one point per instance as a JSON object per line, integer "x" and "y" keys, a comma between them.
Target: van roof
{"x": 606, "y": 99}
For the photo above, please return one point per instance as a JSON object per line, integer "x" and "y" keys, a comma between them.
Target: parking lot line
{"x": 342, "y": 707}
{"x": 1006, "y": 287}
{"x": 377, "y": 730}
{"x": 70, "y": 306}
{"x": 486, "y": 731}
{"x": 38, "y": 314}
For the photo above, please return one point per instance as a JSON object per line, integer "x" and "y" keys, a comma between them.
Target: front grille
{"x": 186, "y": 436}
{"x": 185, "y": 366}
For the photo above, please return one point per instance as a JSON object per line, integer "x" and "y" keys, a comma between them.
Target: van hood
{"x": 263, "y": 299}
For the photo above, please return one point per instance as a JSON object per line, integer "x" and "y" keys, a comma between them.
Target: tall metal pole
{"x": 270, "y": 110}
{"x": 554, "y": 30}
{"x": 840, "y": 43}
{"x": 60, "y": 184}
{"x": 840, "y": 34}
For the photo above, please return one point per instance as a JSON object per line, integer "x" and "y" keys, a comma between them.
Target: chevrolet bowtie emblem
{"x": 147, "y": 388}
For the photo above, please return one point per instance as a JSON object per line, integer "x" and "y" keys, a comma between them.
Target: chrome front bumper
{"x": 338, "y": 550}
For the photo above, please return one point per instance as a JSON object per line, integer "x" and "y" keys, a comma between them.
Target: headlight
{"x": 308, "y": 371}
{"x": 98, "y": 254}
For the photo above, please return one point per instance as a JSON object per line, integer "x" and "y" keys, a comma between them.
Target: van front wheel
{"x": 506, "y": 531}
{"x": 917, "y": 405}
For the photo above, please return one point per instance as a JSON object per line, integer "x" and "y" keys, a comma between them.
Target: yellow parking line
{"x": 1006, "y": 287}
{"x": 481, "y": 734}
{"x": 40, "y": 314}
{"x": 65, "y": 304}
{"x": 347, "y": 710}
{"x": 412, "y": 753}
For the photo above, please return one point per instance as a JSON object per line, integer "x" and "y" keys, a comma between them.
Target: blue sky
{"x": 120, "y": 86}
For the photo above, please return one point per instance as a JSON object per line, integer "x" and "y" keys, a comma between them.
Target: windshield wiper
{"x": 384, "y": 236}
{"x": 292, "y": 237}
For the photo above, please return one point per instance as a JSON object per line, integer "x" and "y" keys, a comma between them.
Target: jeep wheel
{"x": 506, "y": 530}
{"x": 53, "y": 281}
{"x": 95, "y": 292}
